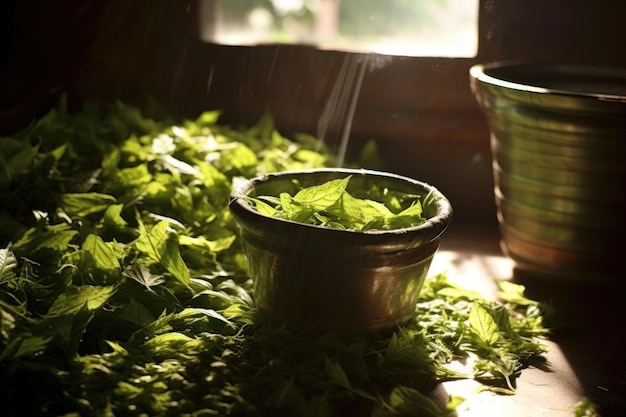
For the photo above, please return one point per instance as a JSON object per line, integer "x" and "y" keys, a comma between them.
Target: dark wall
{"x": 576, "y": 31}
{"x": 150, "y": 47}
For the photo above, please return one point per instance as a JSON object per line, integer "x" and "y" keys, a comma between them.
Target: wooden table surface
{"x": 586, "y": 355}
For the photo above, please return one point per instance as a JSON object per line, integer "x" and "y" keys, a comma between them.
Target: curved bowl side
{"x": 338, "y": 279}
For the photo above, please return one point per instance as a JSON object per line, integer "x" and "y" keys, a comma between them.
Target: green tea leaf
{"x": 142, "y": 275}
{"x": 408, "y": 402}
{"x": 331, "y": 205}
{"x": 369, "y": 156}
{"x": 101, "y": 254}
{"x": 218, "y": 245}
{"x": 351, "y": 213}
{"x": 69, "y": 327}
{"x": 514, "y": 293}
{"x": 84, "y": 204}
{"x": 55, "y": 238}
{"x": 161, "y": 245}
{"x": 76, "y": 297}
{"x": 586, "y": 408}
{"x": 208, "y": 118}
{"x": 264, "y": 208}
{"x": 483, "y": 324}
{"x": 113, "y": 217}
{"x": 15, "y": 158}
{"x": 167, "y": 342}
{"x": 132, "y": 177}
{"x": 294, "y": 210}
{"x": 414, "y": 209}
{"x": 24, "y": 345}
{"x": 241, "y": 159}
{"x": 375, "y": 209}
{"x": 320, "y": 197}
{"x": 336, "y": 372}
{"x": 8, "y": 264}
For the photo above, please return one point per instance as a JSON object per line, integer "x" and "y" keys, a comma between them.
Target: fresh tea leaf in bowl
{"x": 331, "y": 205}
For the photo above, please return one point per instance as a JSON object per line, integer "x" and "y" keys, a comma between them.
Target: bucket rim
{"x": 513, "y": 75}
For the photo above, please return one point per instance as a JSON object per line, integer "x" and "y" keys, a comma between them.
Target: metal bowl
{"x": 558, "y": 142}
{"x": 338, "y": 279}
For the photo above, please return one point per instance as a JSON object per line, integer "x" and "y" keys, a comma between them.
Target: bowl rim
{"x": 436, "y": 224}
{"x": 480, "y": 72}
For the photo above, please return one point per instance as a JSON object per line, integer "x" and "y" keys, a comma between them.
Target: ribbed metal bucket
{"x": 558, "y": 139}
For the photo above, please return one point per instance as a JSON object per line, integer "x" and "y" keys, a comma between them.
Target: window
{"x": 348, "y": 71}
{"x": 396, "y": 27}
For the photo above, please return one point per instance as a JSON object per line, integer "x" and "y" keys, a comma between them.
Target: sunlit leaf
{"x": 514, "y": 293}
{"x": 24, "y": 345}
{"x": 167, "y": 342}
{"x": 161, "y": 245}
{"x": 330, "y": 204}
{"x": 320, "y": 197}
{"x": 483, "y": 324}
{"x": 407, "y": 401}
{"x": 7, "y": 324}
{"x": 264, "y": 208}
{"x": 414, "y": 209}
{"x": 103, "y": 255}
{"x": 113, "y": 218}
{"x": 208, "y": 118}
{"x": 55, "y": 238}
{"x": 142, "y": 275}
{"x": 76, "y": 297}
{"x": 84, "y": 204}
{"x": 217, "y": 245}
{"x": 8, "y": 264}
{"x": 134, "y": 176}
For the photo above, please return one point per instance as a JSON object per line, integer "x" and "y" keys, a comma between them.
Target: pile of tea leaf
{"x": 330, "y": 204}
{"x": 124, "y": 289}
